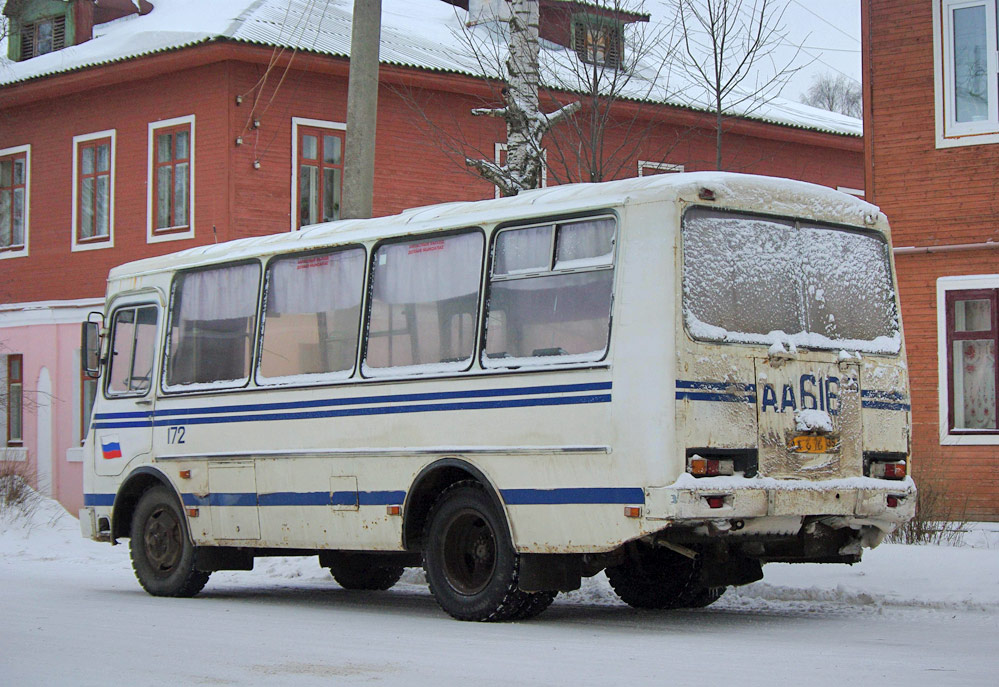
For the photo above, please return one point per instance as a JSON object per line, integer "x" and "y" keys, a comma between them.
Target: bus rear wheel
{"x": 470, "y": 561}
{"x": 363, "y": 571}
{"x": 659, "y": 579}
{"x": 162, "y": 552}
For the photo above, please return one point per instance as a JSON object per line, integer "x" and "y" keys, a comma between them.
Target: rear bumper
{"x": 858, "y": 501}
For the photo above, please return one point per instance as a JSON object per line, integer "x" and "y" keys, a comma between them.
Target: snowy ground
{"x": 73, "y": 614}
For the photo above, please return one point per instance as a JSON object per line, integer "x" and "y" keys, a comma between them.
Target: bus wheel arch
{"x": 125, "y": 501}
{"x": 427, "y": 487}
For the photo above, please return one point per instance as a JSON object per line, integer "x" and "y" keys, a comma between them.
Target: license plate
{"x": 812, "y": 444}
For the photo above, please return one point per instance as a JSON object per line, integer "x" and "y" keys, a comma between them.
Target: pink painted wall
{"x": 51, "y": 346}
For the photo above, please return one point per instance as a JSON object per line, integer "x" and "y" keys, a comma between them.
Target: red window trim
{"x": 173, "y": 162}
{"x": 14, "y": 186}
{"x": 992, "y": 295}
{"x": 12, "y": 380}
{"x": 80, "y": 147}
{"x": 319, "y": 132}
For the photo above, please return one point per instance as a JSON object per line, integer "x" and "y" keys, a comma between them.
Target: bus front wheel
{"x": 470, "y": 561}
{"x": 162, "y": 551}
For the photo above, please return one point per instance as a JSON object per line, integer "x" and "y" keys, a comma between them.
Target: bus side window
{"x": 213, "y": 318}
{"x": 424, "y": 297}
{"x": 133, "y": 346}
{"x": 312, "y": 315}
{"x": 550, "y": 293}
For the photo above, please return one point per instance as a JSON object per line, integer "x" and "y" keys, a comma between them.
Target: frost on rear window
{"x": 749, "y": 279}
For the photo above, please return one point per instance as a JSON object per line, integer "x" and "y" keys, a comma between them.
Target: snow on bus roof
{"x": 779, "y": 196}
{"x": 423, "y": 34}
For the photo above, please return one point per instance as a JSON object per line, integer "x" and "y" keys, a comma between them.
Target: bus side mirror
{"x": 90, "y": 347}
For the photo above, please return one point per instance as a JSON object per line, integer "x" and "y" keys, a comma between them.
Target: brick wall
{"x": 418, "y": 159}
{"x": 932, "y": 198}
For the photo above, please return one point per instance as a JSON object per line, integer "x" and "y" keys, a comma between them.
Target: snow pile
{"x": 812, "y": 420}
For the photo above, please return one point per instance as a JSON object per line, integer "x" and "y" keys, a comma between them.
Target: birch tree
{"x": 728, "y": 50}
{"x": 526, "y": 123}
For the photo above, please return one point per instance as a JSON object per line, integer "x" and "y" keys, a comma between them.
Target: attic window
{"x": 598, "y": 40}
{"x": 43, "y": 36}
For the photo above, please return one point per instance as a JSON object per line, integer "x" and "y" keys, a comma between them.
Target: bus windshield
{"x": 765, "y": 280}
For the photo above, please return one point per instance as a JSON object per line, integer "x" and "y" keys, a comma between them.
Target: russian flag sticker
{"x": 110, "y": 448}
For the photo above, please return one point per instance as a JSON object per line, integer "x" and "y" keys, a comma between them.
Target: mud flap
{"x": 550, "y": 572}
{"x": 731, "y": 573}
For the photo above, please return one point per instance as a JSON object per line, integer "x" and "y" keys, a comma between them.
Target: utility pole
{"x": 362, "y": 108}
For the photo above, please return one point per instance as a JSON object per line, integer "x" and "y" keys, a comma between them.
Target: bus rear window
{"x": 753, "y": 279}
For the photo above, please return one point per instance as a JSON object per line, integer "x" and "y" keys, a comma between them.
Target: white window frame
{"x": 945, "y": 284}
{"x": 949, "y": 132}
{"x": 15, "y": 150}
{"x": 77, "y": 140}
{"x": 151, "y": 233}
{"x": 660, "y": 167}
{"x": 499, "y": 148}
{"x": 295, "y": 123}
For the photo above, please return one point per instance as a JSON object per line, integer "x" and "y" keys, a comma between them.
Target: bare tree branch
{"x": 729, "y": 51}
{"x": 835, "y": 93}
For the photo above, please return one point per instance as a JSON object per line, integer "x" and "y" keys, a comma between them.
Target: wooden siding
{"x": 932, "y": 198}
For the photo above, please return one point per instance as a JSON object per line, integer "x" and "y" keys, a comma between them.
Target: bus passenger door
{"x": 123, "y": 419}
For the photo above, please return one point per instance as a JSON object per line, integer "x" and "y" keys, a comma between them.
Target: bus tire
{"x": 655, "y": 579}
{"x": 701, "y": 597}
{"x": 470, "y": 561}
{"x": 363, "y": 572}
{"x": 162, "y": 551}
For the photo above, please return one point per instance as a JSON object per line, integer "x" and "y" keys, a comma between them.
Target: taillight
{"x": 710, "y": 467}
{"x": 894, "y": 470}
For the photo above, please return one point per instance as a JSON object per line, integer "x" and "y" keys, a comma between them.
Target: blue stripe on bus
{"x": 881, "y": 405}
{"x": 336, "y": 498}
{"x": 217, "y": 414}
{"x": 574, "y": 495}
{"x": 380, "y": 410}
{"x": 723, "y": 392}
{"x": 98, "y": 499}
{"x": 386, "y": 398}
{"x": 294, "y": 498}
{"x": 705, "y": 396}
{"x": 513, "y": 497}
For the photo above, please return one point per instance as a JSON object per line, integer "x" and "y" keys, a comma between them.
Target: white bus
{"x": 674, "y": 379}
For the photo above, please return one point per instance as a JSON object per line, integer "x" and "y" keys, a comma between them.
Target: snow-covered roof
{"x": 425, "y": 34}
{"x": 779, "y": 196}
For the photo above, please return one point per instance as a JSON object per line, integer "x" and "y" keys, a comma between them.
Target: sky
{"x": 828, "y": 32}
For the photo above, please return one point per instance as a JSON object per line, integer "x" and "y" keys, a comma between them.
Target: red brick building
{"x": 931, "y": 117}
{"x": 140, "y": 136}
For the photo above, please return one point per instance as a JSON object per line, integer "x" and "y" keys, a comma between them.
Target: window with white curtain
{"x": 424, "y": 298}
{"x": 312, "y": 311}
{"x": 550, "y": 290}
{"x": 213, "y": 315}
